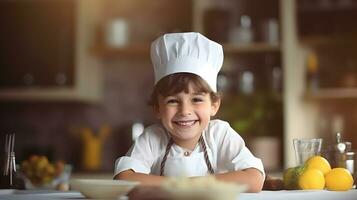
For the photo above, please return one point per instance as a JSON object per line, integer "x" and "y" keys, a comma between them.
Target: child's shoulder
{"x": 154, "y": 127}
{"x": 154, "y": 131}
{"x": 218, "y": 124}
{"x": 221, "y": 129}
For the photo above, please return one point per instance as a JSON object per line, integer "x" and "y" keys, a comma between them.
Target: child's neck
{"x": 189, "y": 145}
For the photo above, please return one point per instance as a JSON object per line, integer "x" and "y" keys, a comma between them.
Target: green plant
{"x": 254, "y": 115}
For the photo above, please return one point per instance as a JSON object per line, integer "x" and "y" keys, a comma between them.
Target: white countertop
{"x": 300, "y": 195}
{"x": 264, "y": 195}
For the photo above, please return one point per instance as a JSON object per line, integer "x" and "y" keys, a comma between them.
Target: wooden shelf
{"x": 134, "y": 50}
{"x": 143, "y": 50}
{"x": 339, "y": 40}
{"x": 251, "y": 48}
{"x": 332, "y": 93}
{"x": 330, "y": 9}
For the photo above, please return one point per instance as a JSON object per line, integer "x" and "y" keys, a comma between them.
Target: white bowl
{"x": 102, "y": 189}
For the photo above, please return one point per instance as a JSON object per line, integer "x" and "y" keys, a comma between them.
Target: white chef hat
{"x": 187, "y": 52}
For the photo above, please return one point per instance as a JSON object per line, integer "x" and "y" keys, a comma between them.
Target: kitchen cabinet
{"x": 37, "y": 51}
{"x": 45, "y": 51}
{"x": 335, "y": 75}
{"x": 325, "y": 29}
{"x": 192, "y": 19}
{"x": 326, "y": 18}
{"x": 335, "y": 95}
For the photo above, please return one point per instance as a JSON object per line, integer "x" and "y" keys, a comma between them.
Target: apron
{"x": 192, "y": 165}
{"x": 188, "y": 166}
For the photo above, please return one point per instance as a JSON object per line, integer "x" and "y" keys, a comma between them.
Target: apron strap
{"x": 203, "y": 146}
{"x": 208, "y": 163}
{"x": 168, "y": 147}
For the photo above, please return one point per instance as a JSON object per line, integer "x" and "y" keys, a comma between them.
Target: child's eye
{"x": 197, "y": 100}
{"x": 171, "y": 101}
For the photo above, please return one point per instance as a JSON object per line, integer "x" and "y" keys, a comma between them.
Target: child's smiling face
{"x": 186, "y": 114}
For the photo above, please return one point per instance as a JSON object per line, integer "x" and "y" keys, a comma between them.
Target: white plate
{"x": 102, "y": 189}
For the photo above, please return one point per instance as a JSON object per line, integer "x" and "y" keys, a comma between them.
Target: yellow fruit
{"x": 291, "y": 177}
{"x": 39, "y": 170}
{"x": 312, "y": 179}
{"x": 319, "y": 163}
{"x": 288, "y": 178}
{"x": 339, "y": 179}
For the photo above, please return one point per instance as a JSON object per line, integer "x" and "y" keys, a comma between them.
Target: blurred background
{"x": 75, "y": 75}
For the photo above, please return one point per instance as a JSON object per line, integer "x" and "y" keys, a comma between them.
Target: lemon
{"x": 312, "y": 179}
{"x": 319, "y": 163}
{"x": 291, "y": 177}
{"x": 339, "y": 179}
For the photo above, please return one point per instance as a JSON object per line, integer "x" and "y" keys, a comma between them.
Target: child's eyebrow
{"x": 199, "y": 93}
{"x": 169, "y": 96}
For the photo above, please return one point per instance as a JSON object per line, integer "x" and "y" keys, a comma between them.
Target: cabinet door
{"x": 37, "y": 43}
{"x": 325, "y": 18}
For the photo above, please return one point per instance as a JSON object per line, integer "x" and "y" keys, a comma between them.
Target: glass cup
{"x": 306, "y": 148}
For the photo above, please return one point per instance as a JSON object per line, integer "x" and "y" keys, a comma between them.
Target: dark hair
{"x": 179, "y": 82}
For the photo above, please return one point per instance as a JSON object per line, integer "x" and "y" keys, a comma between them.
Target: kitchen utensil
{"x": 5, "y": 156}
{"x": 9, "y": 164}
{"x": 343, "y": 154}
{"x": 306, "y": 148}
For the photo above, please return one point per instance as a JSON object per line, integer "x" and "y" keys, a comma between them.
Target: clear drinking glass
{"x": 306, "y": 148}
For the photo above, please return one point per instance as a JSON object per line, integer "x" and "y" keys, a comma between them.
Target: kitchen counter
{"x": 264, "y": 195}
{"x": 92, "y": 175}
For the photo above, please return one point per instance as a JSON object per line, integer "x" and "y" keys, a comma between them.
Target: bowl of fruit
{"x": 39, "y": 173}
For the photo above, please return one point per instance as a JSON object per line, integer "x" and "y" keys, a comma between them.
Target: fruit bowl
{"x": 60, "y": 182}
{"x": 38, "y": 173}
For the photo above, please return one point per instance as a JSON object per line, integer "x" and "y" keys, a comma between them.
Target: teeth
{"x": 185, "y": 123}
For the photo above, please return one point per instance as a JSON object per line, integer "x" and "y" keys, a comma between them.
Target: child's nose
{"x": 185, "y": 109}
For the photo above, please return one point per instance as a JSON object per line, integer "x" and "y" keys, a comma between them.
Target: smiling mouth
{"x": 185, "y": 123}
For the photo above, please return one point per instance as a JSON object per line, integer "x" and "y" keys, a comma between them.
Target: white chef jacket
{"x": 225, "y": 147}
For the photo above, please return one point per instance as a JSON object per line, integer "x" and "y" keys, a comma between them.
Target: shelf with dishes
{"x": 143, "y": 50}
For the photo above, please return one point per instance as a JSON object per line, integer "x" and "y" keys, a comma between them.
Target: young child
{"x": 187, "y": 142}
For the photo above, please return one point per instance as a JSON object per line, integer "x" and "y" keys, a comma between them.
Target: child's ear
{"x": 215, "y": 107}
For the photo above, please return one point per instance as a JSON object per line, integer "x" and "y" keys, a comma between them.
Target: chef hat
{"x": 187, "y": 52}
